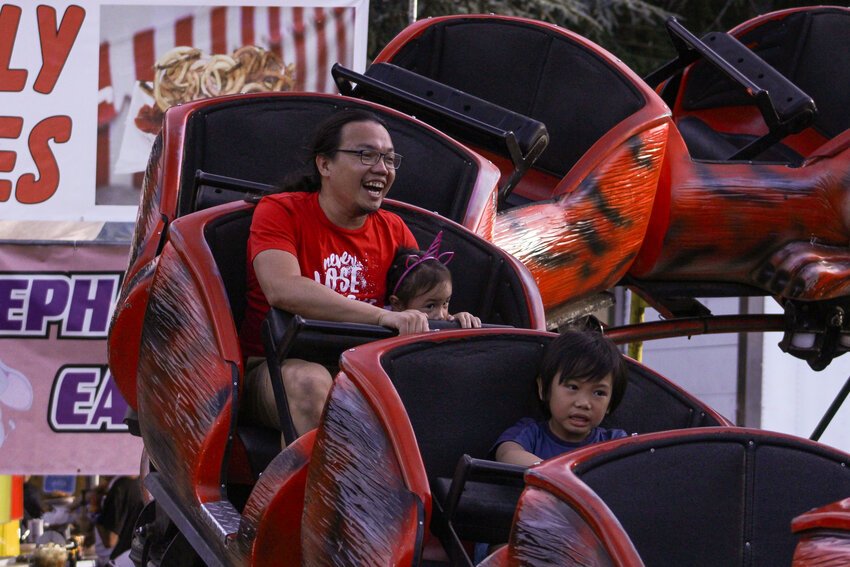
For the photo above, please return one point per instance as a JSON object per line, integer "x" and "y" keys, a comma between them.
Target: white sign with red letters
{"x": 80, "y": 92}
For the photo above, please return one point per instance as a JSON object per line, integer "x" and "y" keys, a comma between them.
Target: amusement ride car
{"x": 551, "y": 197}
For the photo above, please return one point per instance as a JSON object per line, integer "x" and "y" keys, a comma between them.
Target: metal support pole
{"x": 831, "y": 411}
{"x": 412, "y": 11}
{"x": 637, "y": 315}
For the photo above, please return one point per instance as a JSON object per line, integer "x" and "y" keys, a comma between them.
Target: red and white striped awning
{"x": 134, "y": 37}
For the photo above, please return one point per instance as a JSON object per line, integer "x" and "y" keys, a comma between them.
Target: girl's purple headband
{"x": 430, "y": 254}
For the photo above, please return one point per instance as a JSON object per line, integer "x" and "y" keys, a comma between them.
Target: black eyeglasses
{"x": 370, "y": 157}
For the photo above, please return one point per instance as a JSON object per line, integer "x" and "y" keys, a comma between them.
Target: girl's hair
{"x": 583, "y": 355}
{"x": 325, "y": 141}
{"x": 409, "y": 276}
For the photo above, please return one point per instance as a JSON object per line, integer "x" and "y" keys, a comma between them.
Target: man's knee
{"x": 306, "y": 380}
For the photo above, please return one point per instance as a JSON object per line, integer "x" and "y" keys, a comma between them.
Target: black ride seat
{"x": 460, "y": 394}
{"x": 487, "y": 282}
{"x": 260, "y": 139}
{"x": 705, "y": 497}
{"x": 535, "y": 70}
{"x": 807, "y": 48}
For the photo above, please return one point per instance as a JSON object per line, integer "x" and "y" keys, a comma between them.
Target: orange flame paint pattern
{"x": 585, "y": 241}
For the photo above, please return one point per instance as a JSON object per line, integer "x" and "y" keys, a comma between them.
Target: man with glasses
{"x": 313, "y": 248}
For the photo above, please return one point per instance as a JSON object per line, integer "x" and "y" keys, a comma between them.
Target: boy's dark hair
{"x": 325, "y": 141}
{"x": 419, "y": 280}
{"x": 585, "y": 355}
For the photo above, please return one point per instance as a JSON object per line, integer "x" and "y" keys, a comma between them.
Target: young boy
{"x": 582, "y": 378}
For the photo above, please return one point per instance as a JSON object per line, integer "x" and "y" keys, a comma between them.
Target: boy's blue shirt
{"x": 536, "y": 438}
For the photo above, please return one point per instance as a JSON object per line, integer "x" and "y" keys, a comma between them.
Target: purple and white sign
{"x": 60, "y": 411}
{"x": 79, "y": 304}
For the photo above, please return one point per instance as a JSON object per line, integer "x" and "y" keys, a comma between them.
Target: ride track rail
{"x": 691, "y": 326}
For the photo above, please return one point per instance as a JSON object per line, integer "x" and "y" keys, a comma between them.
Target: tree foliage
{"x": 633, "y": 30}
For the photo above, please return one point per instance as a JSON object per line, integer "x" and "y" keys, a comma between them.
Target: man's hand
{"x": 406, "y": 322}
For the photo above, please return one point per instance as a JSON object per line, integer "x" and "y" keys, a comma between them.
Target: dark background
{"x": 633, "y": 30}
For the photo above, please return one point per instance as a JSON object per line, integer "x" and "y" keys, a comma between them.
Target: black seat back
{"x": 261, "y": 139}
{"x": 672, "y": 407}
{"x": 485, "y": 281}
{"x": 535, "y": 70}
{"x": 722, "y": 497}
{"x": 460, "y": 395}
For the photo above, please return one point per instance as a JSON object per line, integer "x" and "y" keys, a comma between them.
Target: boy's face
{"x": 577, "y": 406}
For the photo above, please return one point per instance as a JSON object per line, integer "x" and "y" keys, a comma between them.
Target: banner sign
{"x": 83, "y": 85}
{"x": 60, "y": 412}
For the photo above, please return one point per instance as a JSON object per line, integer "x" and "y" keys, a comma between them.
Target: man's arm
{"x": 280, "y": 278}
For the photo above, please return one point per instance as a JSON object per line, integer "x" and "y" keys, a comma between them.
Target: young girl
{"x": 420, "y": 280}
{"x": 582, "y": 378}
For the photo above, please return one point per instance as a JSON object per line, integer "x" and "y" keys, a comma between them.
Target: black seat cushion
{"x": 706, "y": 143}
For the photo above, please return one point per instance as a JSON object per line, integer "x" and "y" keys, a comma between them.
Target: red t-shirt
{"x": 353, "y": 263}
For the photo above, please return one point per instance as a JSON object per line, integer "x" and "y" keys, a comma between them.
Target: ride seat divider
{"x": 452, "y": 111}
{"x": 481, "y": 499}
{"x": 212, "y": 190}
{"x": 284, "y": 334}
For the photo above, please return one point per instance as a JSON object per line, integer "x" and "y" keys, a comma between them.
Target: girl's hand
{"x": 467, "y": 320}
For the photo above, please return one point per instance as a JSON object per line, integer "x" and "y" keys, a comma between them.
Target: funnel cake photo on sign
{"x": 158, "y": 56}
{"x": 186, "y": 73}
